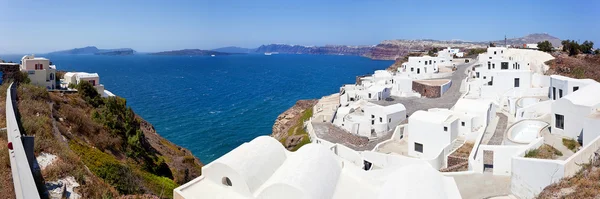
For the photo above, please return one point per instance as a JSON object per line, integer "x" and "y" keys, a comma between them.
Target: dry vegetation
{"x": 579, "y": 66}
{"x": 571, "y": 144}
{"x": 109, "y": 150}
{"x": 585, "y": 184}
{"x": 544, "y": 152}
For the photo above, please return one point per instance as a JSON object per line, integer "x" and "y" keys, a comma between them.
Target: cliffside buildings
{"x": 481, "y": 147}
{"x": 40, "y": 70}
{"x": 93, "y": 78}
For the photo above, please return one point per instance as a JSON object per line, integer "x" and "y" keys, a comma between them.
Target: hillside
{"x": 530, "y": 39}
{"x": 582, "y": 66}
{"x": 314, "y": 50}
{"x": 93, "y": 50}
{"x": 196, "y": 52}
{"x": 98, "y": 142}
{"x": 235, "y": 49}
{"x": 394, "y": 49}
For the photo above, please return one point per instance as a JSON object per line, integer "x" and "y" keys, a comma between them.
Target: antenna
{"x": 505, "y": 41}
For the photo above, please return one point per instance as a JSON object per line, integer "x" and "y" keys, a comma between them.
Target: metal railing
{"x": 22, "y": 175}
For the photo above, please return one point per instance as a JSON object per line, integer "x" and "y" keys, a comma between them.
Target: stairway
{"x": 459, "y": 141}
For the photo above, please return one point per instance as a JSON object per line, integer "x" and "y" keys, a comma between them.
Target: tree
{"x": 89, "y": 93}
{"x": 545, "y": 46}
{"x": 587, "y": 46}
{"x": 571, "y": 46}
{"x": 597, "y": 52}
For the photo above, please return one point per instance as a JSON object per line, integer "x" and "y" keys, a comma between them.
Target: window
{"x": 517, "y": 82}
{"x": 389, "y": 120}
{"x": 504, "y": 65}
{"x": 226, "y": 181}
{"x": 372, "y": 122}
{"x": 502, "y": 51}
{"x": 462, "y": 123}
{"x": 484, "y": 77}
{"x": 490, "y": 57}
{"x": 412, "y": 69}
{"x": 429, "y": 62}
{"x": 367, "y": 165}
{"x": 446, "y": 128}
{"x": 560, "y": 121}
{"x": 554, "y": 93}
{"x": 493, "y": 66}
{"x": 380, "y": 119}
{"x": 369, "y": 95}
{"x": 419, "y": 147}
{"x": 575, "y": 88}
{"x": 477, "y": 73}
{"x": 559, "y": 93}
{"x": 418, "y": 70}
{"x": 489, "y": 65}
{"x": 494, "y": 52}
{"x": 372, "y": 116}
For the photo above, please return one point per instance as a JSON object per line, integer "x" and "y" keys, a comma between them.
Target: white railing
{"x": 21, "y": 171}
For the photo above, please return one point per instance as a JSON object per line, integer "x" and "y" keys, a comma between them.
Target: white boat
{"x": 268, "y": 53}
{"x": 212, "y": 55}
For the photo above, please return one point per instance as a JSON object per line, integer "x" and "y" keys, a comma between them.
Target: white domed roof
{"x": 414, "y": 181}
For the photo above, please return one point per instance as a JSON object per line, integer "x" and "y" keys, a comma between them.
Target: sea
{"x": 210, "y": 105}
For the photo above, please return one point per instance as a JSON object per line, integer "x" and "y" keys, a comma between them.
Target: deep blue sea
{"x": 211, "y": 105}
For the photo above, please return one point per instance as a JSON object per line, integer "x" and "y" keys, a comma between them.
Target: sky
{"x": 151, "y": 26}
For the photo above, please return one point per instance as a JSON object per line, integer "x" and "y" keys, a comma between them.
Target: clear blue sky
{"x": 147, "y": 26}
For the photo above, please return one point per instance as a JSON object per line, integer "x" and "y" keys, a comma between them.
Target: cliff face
{"x": 315, "y": 50}
{"x": 394, "y": 49}
{"x": 288, "y": 125}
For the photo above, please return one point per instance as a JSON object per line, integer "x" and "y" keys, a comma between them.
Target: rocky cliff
{"x": 394, "y": 49}
{"x": 315, "y": 50}
{"x": 288, "y": 125}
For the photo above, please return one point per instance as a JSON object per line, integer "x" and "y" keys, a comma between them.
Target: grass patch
{"x": 544, "y": 152}
{"x": 571, "y": 144}
{"x": 161, "y": 186}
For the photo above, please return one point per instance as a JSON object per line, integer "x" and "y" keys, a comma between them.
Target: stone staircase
{"x": 459, "y": 141}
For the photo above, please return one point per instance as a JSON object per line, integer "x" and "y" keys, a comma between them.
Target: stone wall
{"x": 427, "y": 90}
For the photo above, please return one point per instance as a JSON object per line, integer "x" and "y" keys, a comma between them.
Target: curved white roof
{"x": 312, "y": 169}
{"x": 414, "y": 181}
{"x": 471, "y": 105}
{"x": 255, "y": 161}
{"x": 587, "y": 96}
{"x": 429, "y": 116}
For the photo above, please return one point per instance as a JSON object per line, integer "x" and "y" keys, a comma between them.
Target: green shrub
{"x": 87, "y": 92}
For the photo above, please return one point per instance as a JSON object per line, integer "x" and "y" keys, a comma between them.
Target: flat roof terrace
{"x": 334, "y": 134}
{"x": 447, "y": 100}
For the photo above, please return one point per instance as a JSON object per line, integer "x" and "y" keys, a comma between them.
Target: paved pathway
{"x": 447, "y": 100}
{"x": 482, "y": 185}
{"x": 498, "y": 136}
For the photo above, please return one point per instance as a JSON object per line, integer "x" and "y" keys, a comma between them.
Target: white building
{"x": 429, "y": 132}
{"x": 40, "y": 70}
{"x": 420, "y": 65}
{"x": 368, "y": 119}
{"x": 262, "y": 168}
{"x": 92, "y": 78}
{"x": 562, "y": 86}
{"x": 570, "y": 111}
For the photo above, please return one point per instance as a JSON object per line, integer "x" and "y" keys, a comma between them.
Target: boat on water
{"x": 212, "y": 55}
{"x": 267, "y": 53}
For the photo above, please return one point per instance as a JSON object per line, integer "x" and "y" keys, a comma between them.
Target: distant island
{"x": 192, "y": 52}
{"x": 235, "y": 49}
{"x": 93, "y": 50}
